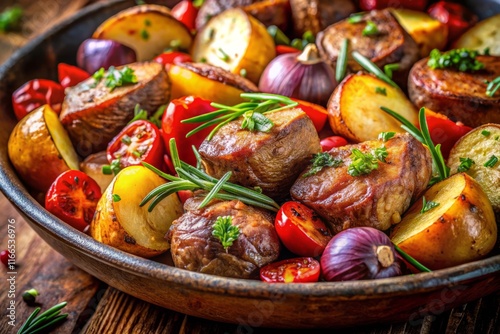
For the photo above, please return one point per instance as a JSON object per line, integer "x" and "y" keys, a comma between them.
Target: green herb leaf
{"x": 463, "y": 60}
{"x": 222, "y": 55}
{"x": 117, "y": 78}
{"x": 321, "y": 160}
{"x": 116, "y": 198}
{"x": 465, "y": 164}
{"x": 113, "y": 168}
{"x": 278, "y": 36}
{"x": 426, "y": 206}
{"x": 368, "y": 65}
{"x": 10, "y": 19}
{"x": 485, "y": 133}
{"x": 411, "y": 260}
{"x": 356, "y": 18}
{"x": 341, "y": 67}
{"x": 361, "y": 163}
{"x": 390, "y": 68}
{"x": 385, "y": 136}
{"x": 381, "y": 91}
{"x": 99, "y": 74}
{"x": 380, "y": 153}
{"x": 371, "y": 29}
{"x": 45, "y": 320}
{"x": 492, "y": 87}
{"x": 255, "y": 121}
{"x": 144, "y": 34}
{"x": 492, "y": 161}
{"x": 225, "y": 231}
{"x": 437, "y": 157}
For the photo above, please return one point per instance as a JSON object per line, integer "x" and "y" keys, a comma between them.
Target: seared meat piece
{"x": 377, "y": 199}
{"x": 93, "y": 114}
{"x": 194, "y": 248}
{"x": 391, "y": 44}
{"x": 459, "y": 95}
{"x": 269, "y": 160}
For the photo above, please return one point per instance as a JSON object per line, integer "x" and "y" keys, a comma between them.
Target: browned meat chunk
{"x": 94, "y": 114}
{"x": 269, "y": 160}
{"x": 194, "y": 248}
{"x": 377, "y": 199}
{"x": 459, "y": 95}
{"x": 391, "y": 44}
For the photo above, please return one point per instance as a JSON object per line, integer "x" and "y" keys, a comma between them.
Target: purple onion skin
{"x": 285, "y": 75}
{"x": 96, "y": 53}
{"x": 351, "y": 255}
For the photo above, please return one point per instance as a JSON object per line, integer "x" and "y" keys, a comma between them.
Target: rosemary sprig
{"x": 48, "y": 318}
{"x": 411, "y": 260}
{"x": 260, "y": 103}
{"x": 192, "y": 178}
{"x": 492, "y": 87}
{"x": 368, "y": 65}
{"x": 341, "y": 68}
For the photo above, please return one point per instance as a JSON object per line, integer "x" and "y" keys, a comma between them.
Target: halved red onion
{"x": 96, "y": 53}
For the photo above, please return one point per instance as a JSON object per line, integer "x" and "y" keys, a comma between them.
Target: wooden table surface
{"x": 96, "y": 308}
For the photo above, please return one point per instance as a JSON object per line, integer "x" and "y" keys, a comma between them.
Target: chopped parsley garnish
{"x": 371, "y": 29}
{"x": 126, "y": 140}
{"x": 116, "y": 198}
{"x": 321, "y": 160}
{"x": 385, "y": 136}
{"x": 463, "y": 60}
{"x": 465, "y": 164}
{"x": 361, "y": 163}
{"x": 426, "y": 206}
{"x": 380, "y": 153}
{"x": 381, "y": 91}
{"x": 113, "y": 168}
{"x": 390, "y": 68}
{"x": 144, "y": 34}
{"x": 485, "y": 133}
{"x": 256, "y": 121}
{"x": 492, "y": 87}
{"x": 222, "y": 55}
{"x": 492, "y": 161}
{"x": 10, "y": 18}
{"x": 118, "y": 78}
{"x": 147, "y": 23}
{"x": 99, "y": 74}
{"x": 355, "y": 18}
{"x": 225, "y": 231}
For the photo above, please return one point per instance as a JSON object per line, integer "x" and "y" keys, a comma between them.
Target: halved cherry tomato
{"x": 301, "y": 230}
{"x": 70, "y": 75}
{"x": 333, "y": 141}
{"x": 173, "y": 57}
{"x": 186, "y": 12}
{"x": 138, "y": 142}
{"x": 178, "y": 110}
{"x": 36, "y": 93}
{"x": 456, "y": 16}
{"x": 298, "y": 270}
{"x": 316, "y": 113}
{"x": 73, "y": 198}
{"x": 282, "y": 49}
{"x": 381, "y": 4}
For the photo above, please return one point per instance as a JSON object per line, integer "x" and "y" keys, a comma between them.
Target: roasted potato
{"x": 120, "y": 222}
{"x": 236, "y": 42}
{"x": 480, "y": 145}
{"x": 427, "y": 32}
{"x": 354, "y": 108}
{"x": 40, "y": 149}
{"x": 147, "y": 29}
{"x": 485, "y": 34}
{"x": 460, "y": 229}
{"x": 92, "y": 166}
{"x": 209, "y": 82}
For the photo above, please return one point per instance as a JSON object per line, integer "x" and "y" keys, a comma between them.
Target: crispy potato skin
{"x": 377, "y": 199}
{"x": 485, "y": 34}
{"x": 467, "y": 231}
{"x": 94, "y": 115}
{"x": 478, "y": 147}
{"x": 461, "y": 96}
{"x": 33, "y": 152}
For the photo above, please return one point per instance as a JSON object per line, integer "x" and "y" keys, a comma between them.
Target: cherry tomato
{"x": 184, "y": 195}
{"x": 173, "y": 57}
{"x": 330, "y": 142}
{"x": 186, "y": 12}
{"x": 178, "y": 110}
{"x": 298, "y": 270}
{"x": 73, "y": 198}
{"x": 70, "y": 75}
{"x": 138, "y": 142}
{"x": 316, "y": 113}
{"x": 444, "y": 132}
{"x": 36, "y": 93}
{"x": 381, "y": 4}
{"x": 282, "y": 49}
{"x": 4, "y": 257}
{"x": 456, "y": 16}
{"x": 301, "y": 230}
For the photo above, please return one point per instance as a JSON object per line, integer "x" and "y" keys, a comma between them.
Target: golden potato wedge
{"x": 485, "y": 34}
{"x": 40, "y": 148}
{"x": 428, "y": 32}
{"x": 209, "y": 82}
{"x": 120, "y": 222}
{"x": 236, "y": 42}
{"x": 480, "y": 145}
{"x": 92, "y": 166}
{"x": 460, "y": 229}
{"x": 147, "y": 29}
{"x": 354, "y": 108}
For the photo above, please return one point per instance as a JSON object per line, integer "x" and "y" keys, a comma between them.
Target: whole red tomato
{"x": 178, "y": 110}
{"x": 70, "y": 75}
{"x": 301, "y": 230}
{"x": 186, "y": 12}
{"x": 173, "y": 57}
{"x": 36, "y": 93}
{"x": 299, "y": 270}
{"x": 73, "y": 198}
{"x": 333, "y": 141}
{"x": 138, "y": 142}
{"x": 456, "y": 16}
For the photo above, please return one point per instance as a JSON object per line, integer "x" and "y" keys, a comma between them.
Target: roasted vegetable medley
{"x": 261, "y": 139}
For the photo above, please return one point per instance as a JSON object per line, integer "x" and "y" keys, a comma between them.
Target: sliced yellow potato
{"x": 485, "y": 34}
{"x": 354, "y": 108}
{"x": 236, "y": 42}
{"x": 120, "y": 222}
{"x": 460, "y": 229}
{"x": 147, "y": 29}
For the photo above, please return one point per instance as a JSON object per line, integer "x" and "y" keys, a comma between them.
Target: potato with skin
{"x": 485, "y": 34}
{"x": 120, "y": 222}
{"x": 460, "y": 229}
{"x": 40, "y": 149}
{"x": 480, "y": 145}
{"x": 92, "y": 166}
{"x": 354, "y": 108}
